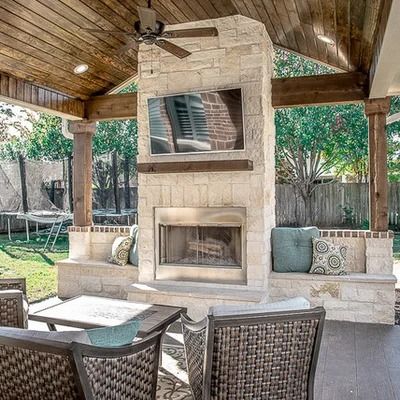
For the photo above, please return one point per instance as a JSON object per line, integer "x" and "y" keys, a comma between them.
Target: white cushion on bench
{"x": 297, "y": 303}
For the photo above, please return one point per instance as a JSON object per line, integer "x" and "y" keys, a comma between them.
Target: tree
{"x": 312, "y": 142}
{"x": 46, "y": 142}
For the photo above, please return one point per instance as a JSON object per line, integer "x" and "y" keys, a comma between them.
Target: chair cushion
{"x": 120, "y": 250}
{"x": 328, "y": 258}
{"x": 133, "y": 254}
{"x": 114, "y": 336}
{"x": 292, "y": 248}
{"x": 296, "y": 303}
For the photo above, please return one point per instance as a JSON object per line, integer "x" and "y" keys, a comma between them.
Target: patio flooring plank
{"x": 339, "y": 378}
{"x": 373, "y": 377}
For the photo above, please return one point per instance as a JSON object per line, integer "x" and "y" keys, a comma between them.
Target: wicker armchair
{"x": 125, "y": 373}
{"x": 254, "y": 356}
{"x": 33, "y": 368}
{"x": 36, "y": 366}
{"x": 13, "y": 303}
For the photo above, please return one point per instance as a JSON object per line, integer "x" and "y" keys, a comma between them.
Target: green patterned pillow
{"x": 120, "y": 250}
{"x": 328, "y": 258}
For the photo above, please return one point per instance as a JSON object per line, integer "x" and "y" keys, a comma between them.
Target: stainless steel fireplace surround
{"x": 205, "y": 244}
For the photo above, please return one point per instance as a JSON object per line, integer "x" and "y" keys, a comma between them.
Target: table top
{"x": 87, "y": 312}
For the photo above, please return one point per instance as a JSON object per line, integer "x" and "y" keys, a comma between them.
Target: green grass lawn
{"x": 21, "y": 259}
{"x": 396, "y": 246}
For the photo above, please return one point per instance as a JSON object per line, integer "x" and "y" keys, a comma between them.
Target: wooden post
{"x": 70, "y": 180}
{"x": 82, "y": 171}
{"x": 24, "y": 190}
{"x": 115, "y": 182}
{"x": 376, "y": 111}
{"x": 127, "y": 189}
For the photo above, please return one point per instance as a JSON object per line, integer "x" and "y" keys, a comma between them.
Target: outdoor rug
{"x": 172, "y": 376}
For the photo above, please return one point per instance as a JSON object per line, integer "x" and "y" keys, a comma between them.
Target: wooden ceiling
{"x": 42, "y": 41}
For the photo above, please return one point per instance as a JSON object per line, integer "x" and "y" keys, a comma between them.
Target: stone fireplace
{"x": 210, "y": 227}
{"x": 205, "y": 244}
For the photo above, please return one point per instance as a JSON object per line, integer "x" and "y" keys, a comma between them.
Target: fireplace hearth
{"x": 200, "y": 244}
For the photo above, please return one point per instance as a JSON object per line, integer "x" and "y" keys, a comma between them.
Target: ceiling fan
{"x": 149, "y": 30}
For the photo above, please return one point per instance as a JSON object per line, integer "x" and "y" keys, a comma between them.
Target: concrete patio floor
{"x": 357, "y": 361}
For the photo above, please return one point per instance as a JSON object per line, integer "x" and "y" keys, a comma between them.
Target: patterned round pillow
{"x": 328, "y": 258}
{"x": 120, "y": 250}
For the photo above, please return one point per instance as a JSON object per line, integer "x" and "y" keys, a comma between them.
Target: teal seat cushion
{"x": 114, "y": 336}
{"x": 133, "y": 254}
{"x": 292, "y": 248}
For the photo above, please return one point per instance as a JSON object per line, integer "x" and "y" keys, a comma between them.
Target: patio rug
{"x": 172, "y": 376}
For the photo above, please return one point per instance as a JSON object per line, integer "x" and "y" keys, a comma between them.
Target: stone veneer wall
{"x": 241, "y": 56}
{"x": 366, "y": 294}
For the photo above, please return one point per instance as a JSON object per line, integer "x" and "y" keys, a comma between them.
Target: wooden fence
{"x": 334, "y": 205}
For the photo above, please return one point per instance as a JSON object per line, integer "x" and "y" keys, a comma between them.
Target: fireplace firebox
{"x": 200, "y": 244}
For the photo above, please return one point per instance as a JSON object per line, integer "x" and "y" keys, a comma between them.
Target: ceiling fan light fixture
{"x": 80, "y": 69}
{"x": 326, "y": 39}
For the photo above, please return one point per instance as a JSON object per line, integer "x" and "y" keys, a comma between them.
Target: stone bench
{"x": 357, "y": 297}
{"x": 87, "y": 271}
{"x": 94, "y": 277}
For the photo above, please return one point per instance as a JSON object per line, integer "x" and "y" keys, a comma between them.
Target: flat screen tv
{"x": 196, "y": 122}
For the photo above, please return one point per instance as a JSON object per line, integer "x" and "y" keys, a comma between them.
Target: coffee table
{"x": 87, "y": 312}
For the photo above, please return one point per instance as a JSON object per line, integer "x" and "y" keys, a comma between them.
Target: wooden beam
{"x": 22, "y": 93}
{"x": 376, "y": 110}
{"x": 386, "y": 54}
{"x": 195, "y": 166}
{"x": 319, "y": 90}
{"x": 82, "y": 171}
{"x": 393, "y": 118}
{"x": 112, "y": 106}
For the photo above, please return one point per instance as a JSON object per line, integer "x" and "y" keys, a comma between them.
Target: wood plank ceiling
{"x": 42, "y": 41}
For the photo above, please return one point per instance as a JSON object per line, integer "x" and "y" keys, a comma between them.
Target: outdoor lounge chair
{"x": 13, "y": 303}
{"x": 35, "y": 367}
{"x": 254, "y": 356}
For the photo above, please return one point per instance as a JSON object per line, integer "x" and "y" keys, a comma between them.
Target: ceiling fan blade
{"x": 195, "y": 32}
{"x": 148, "y": 18}
{"x": 131, "y": 45}
{"x": 172, "y": 48}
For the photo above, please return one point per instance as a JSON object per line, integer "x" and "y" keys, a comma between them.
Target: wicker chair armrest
{"x": 12, "y": 313}
{"x": 194, "y": 326}
{"x": 194, "y": 339}
{"x": 13, "y": 283}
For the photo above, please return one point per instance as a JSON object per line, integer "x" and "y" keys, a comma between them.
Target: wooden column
{"x": 82, "y": 171}
{"x": 376, "y": 111}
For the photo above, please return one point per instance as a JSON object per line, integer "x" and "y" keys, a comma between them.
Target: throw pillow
{"x": 120, "y": 250}
{"x": 292, "y": 248}
{"x": 133, "y": 254}
{"x": 114, "y": 336}
{"x": 328, "y": 258}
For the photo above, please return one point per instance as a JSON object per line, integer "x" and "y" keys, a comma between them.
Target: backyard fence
{"x": 334, "y": 205}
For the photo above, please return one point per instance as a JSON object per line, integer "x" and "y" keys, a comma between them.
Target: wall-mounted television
{"x": 196, "y": 122}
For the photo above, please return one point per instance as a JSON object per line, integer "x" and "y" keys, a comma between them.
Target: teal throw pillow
{"x": 292, "y": 249}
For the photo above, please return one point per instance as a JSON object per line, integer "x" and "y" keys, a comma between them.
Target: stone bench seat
{"x": 94, "y": 277}
{"x": 357, "y": 297}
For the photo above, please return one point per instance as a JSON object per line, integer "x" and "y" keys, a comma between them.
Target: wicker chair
{"x": 125, "y": 373}
{"x": 13, "y": 303}
{"x": 38, "y": 368}
{"x": 254, "y": 356}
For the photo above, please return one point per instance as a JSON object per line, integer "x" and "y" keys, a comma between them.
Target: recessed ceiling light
{"x": 81, "y": 68}
{"x": 326, "y": 39}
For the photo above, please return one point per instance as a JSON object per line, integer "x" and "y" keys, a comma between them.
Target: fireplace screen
{"x": 201, "y": 245}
